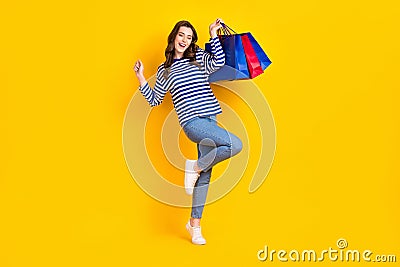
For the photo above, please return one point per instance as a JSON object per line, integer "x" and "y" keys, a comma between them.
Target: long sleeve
{"x": 214, "y": 60}
{"x": 188, "y": 84}
{"x": 156, "y": 96}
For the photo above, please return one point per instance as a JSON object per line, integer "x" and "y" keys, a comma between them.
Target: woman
{"x": 185, "y": 75}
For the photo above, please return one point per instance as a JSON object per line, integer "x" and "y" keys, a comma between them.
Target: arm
{"x": 216, "y": 59}
{"x": 156, "y": 96}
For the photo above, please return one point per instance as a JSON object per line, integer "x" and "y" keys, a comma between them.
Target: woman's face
{"x": 182, "y": 40}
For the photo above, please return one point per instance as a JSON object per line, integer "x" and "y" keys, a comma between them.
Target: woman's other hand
{"x": 215, "y": 26}
{"x": 138, "y": 68}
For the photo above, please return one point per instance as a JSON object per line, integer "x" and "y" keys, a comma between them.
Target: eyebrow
{"x": 184, "y": 33}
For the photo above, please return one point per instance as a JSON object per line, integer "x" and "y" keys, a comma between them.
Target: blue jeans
{"x": 214, "y": 144}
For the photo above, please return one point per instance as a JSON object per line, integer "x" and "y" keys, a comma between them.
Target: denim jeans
{"x": 214, "y": 144}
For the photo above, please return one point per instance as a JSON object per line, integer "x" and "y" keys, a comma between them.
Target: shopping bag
{"x": 235, "y": 67}
{"x": 261, "y": 55}
{"x": 253, "y": 63}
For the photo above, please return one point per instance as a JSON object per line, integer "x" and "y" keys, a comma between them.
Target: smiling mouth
{"x": 182, "y": 45}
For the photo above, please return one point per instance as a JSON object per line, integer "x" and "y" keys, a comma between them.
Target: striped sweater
{"x": 188, "y": 84}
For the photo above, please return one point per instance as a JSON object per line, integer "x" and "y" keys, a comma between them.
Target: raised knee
{"x": 236, "y": 145}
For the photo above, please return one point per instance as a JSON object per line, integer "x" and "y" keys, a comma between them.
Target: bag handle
{"x": 226, "y": 29}
{"x": 223, "y": 31}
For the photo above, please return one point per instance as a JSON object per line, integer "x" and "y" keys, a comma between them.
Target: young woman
{"x": 185, "y": 75}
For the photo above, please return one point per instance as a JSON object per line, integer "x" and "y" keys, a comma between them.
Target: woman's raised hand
{"x": 138, "y": 68}
{"x": 215, "y": 26}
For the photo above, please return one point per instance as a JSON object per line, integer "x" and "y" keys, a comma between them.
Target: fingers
{"x": 138, "y": 65}
{"x": 219, "y": 21}
{"x": 217, "y": 24}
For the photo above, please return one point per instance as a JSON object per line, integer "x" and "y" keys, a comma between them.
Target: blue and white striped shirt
{"x": 188, "y": 84}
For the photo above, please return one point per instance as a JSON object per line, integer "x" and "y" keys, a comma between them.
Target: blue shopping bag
{"x": 262, "y": 57}
{"x": 235, "y": 60}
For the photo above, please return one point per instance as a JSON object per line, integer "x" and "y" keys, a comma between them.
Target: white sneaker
{"x": 195, "y": 233}
{"x": 191, "y": 176}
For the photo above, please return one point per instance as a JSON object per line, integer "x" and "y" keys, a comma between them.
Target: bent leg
{"x": 206, "y": 132}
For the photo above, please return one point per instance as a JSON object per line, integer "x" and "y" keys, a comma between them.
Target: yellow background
{"x": 67, "y": 197}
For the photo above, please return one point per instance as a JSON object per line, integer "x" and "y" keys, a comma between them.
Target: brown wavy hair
{"x": 189, "y": 53}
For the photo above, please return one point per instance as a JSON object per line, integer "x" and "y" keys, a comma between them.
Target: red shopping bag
{"x": 253, "y": 63}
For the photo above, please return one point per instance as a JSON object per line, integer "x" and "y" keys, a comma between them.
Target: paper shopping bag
{"x": 235, "y": 60}
{"x": 253, "y": 63}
